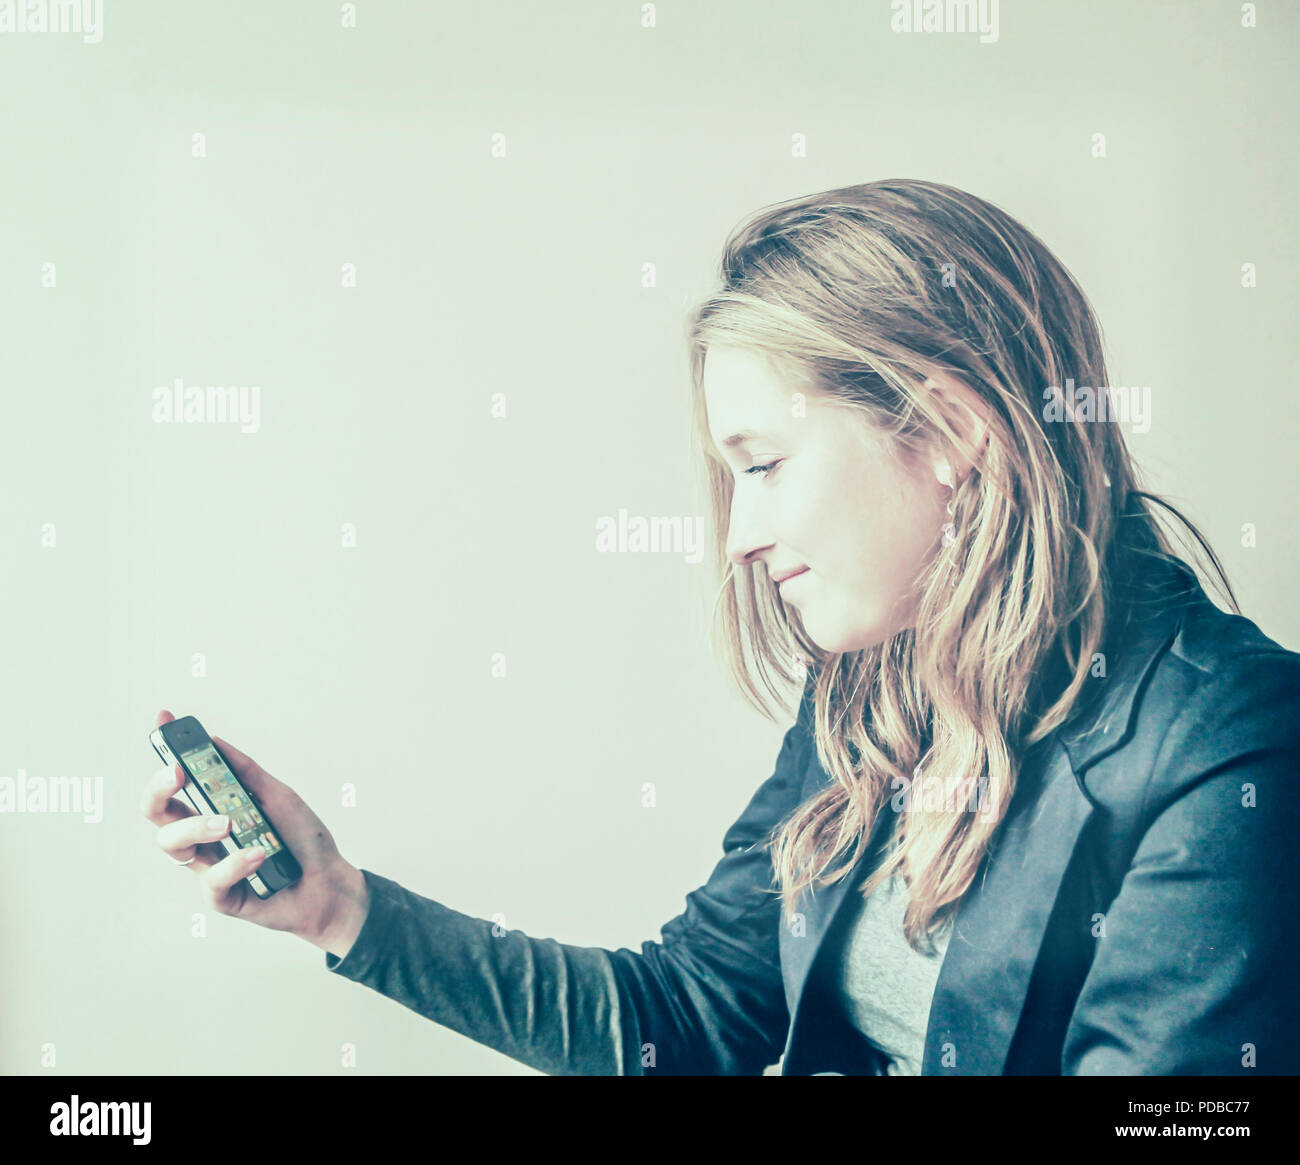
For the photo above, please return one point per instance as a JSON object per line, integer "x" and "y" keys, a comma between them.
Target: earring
{"x": 949, "y": 530}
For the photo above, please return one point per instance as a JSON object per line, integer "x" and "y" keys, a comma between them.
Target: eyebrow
{"x": 739, "y": 439}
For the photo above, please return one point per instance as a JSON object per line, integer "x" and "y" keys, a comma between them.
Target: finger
{"x": 233, "y": 868}
{"x": 159, "y": 802}
{"x": 163, "y": 717}
{"x": 189, "y": 838}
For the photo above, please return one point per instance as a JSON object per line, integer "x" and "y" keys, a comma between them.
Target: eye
{"x": 765, "y": 469}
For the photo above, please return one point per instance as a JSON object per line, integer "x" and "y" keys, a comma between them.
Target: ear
{"x": 969, "y": 416}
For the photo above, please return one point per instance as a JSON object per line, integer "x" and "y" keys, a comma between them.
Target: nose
{"x": 746, "y": 539}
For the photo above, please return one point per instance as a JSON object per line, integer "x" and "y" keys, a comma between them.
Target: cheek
{"x": 884, "y": 527}
{"x": 814, "y": 524}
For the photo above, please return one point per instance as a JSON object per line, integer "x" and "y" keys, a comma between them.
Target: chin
{"x": 842, "y": 639}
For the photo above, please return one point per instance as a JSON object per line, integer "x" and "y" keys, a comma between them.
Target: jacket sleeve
{"x": 708, "y": 999}
{"x": 1198, "y": 969}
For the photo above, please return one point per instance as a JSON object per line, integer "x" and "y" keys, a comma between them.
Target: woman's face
{"x": 858, "y": 518}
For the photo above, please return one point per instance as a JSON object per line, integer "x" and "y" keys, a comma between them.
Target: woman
{"x": 1034, "y": 814}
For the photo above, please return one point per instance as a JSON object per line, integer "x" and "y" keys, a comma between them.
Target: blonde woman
{"x": 1036, "y": 813}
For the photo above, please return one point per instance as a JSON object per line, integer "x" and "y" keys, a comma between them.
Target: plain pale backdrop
{"x": 522, "y": 275}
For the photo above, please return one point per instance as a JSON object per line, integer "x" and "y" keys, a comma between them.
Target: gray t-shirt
{"x": 877, "y": 983}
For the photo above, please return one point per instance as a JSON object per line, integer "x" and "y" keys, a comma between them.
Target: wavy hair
{"x": 861, "y": 293}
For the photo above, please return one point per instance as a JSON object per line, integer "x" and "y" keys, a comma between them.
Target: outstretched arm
{"x": 708, "y": 999}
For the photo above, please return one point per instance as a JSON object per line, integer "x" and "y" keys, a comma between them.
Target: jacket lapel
{"x": 801, "y": 942}
{"x": 1000, "y": 924}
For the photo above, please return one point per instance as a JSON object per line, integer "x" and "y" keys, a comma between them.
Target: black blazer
{"x": 1133, "y": 915}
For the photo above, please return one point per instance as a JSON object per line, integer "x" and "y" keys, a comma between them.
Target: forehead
{"x": 745, "y": 392}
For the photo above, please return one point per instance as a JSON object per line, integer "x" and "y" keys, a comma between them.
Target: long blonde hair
{"x": 863, "y": 292}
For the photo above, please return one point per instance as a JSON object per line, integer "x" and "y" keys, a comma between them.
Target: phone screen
{"x": 247, "y": 825}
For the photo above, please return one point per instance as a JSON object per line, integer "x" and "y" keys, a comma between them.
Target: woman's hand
{"x": 326, "y": 906}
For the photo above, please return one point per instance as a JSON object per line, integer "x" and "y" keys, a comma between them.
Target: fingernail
{"x": 169, "y": 781}
{"x": 218, "y": 824}
{"x": 254, "y": 854}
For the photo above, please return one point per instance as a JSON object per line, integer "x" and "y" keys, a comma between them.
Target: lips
{"x": 780, "y": 578}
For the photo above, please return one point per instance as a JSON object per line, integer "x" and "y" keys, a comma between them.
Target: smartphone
{"x": 211, "y": 787}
